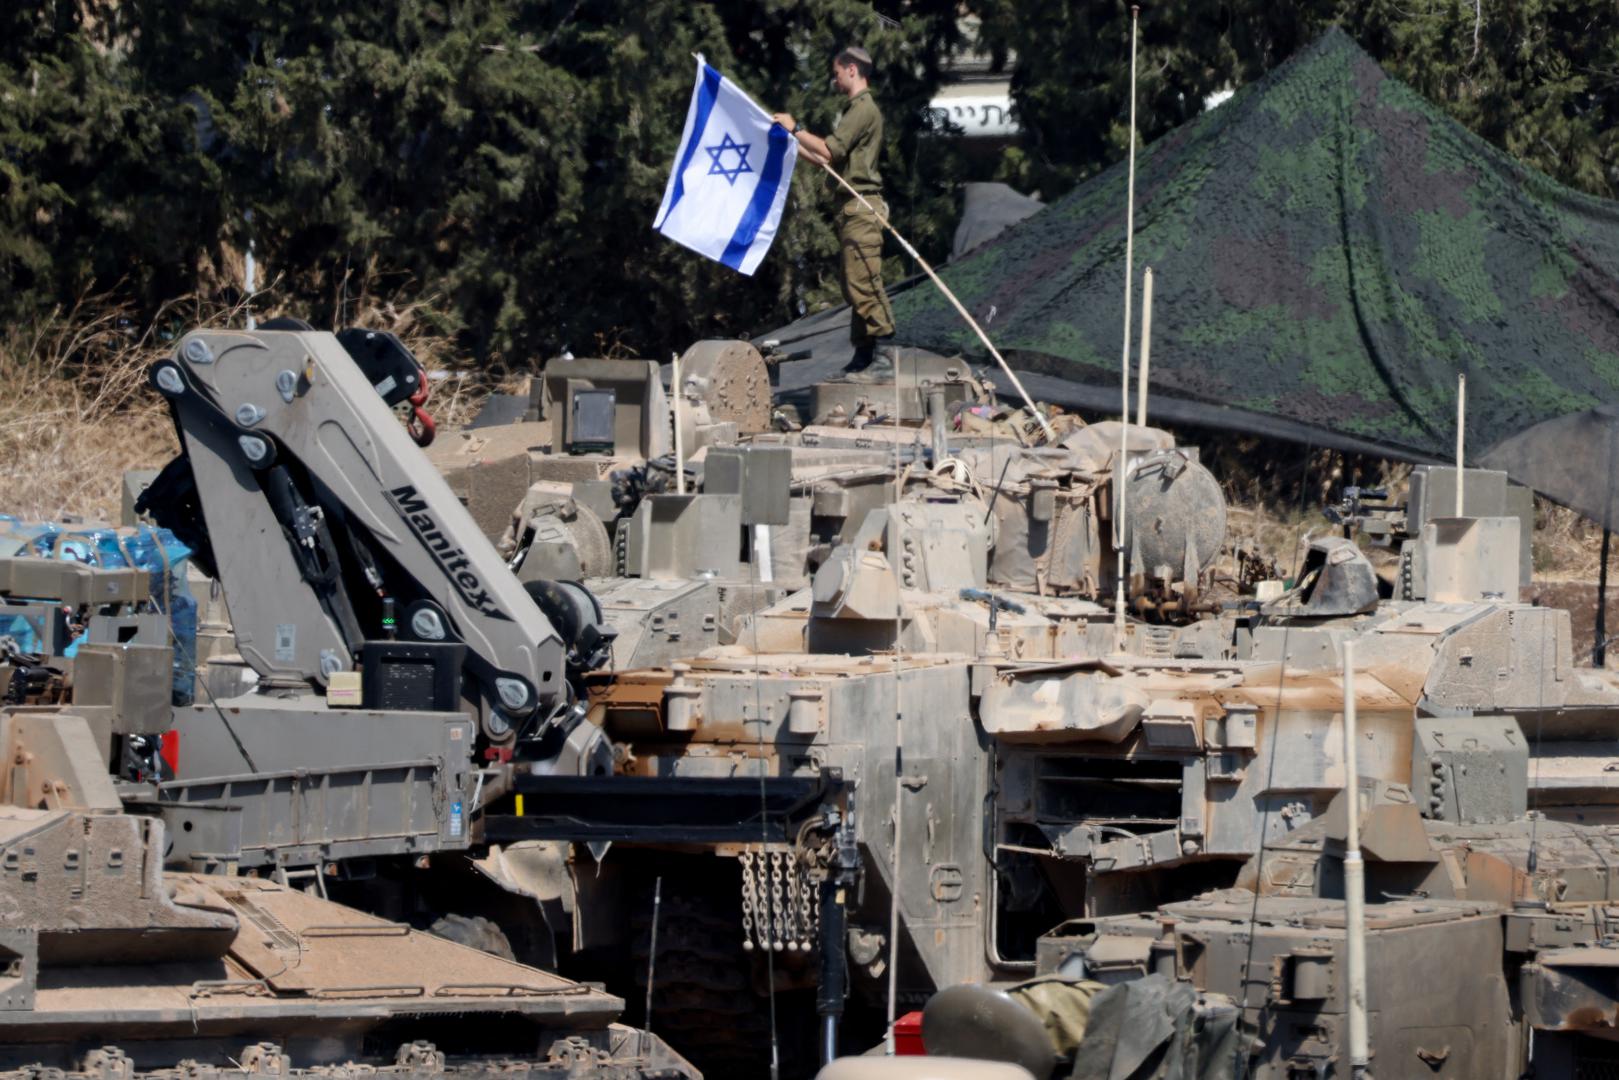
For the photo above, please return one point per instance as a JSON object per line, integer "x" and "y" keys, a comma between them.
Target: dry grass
{"x": 1568, "y": 546}
{"x": 417, "y": 319}
{"x": 77, "y": 411}
{"x": 458, "y": 391}
{"x": 1275, "y": 493}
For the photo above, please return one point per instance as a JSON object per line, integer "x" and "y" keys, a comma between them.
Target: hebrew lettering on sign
{"x": 977, "y": 116}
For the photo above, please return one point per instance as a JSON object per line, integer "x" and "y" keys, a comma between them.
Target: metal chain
{"x": 795, "y": 926}
{"x": 748, "y": 885}
{"x": 778, "y": 910}
{"x": 795, "y": 931}
{"x": 769, "y": 904}
{"x": 779, "y": 902}
{"x": 808, "y": 911}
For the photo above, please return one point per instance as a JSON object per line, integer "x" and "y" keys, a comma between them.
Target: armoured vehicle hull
{"x": 293, "y": 984}
{"x": 113, "y": 966}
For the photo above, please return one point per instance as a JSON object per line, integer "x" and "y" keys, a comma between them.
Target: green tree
{"x": 100, "y": 183}
{"x": 505, "y": 157}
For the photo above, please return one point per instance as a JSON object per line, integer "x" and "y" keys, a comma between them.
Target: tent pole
{"x": 1146, "y": 347}
{"x": 1599, "y": 652}
{"x": 1461, "y": 435}
{"x": 1599, "y": 655}
{"x": 680, "y": 457}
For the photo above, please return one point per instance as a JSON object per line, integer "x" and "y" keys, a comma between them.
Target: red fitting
{"x": 169, "y": 751}
{"x": 420, "y": 425}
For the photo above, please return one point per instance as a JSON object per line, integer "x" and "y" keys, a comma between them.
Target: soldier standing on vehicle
{"x": 853, "y": 149}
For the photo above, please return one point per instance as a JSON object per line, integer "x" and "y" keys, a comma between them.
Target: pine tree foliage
{"x": 100, "y": 184}
{"x": 505, "y": 157}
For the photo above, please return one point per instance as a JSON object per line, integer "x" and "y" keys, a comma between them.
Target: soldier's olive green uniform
{"x": 855, "y": 146}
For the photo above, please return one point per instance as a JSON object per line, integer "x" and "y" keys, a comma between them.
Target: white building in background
{"x": 975, "y": 99}
{"x": 978, "y": 100}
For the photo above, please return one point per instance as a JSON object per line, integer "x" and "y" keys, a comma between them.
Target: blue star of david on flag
{"x": 717, "y": 168}
{"x": 734, "y": 222}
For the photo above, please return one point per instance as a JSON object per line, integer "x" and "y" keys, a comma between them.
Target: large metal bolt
{"x": 169, "y": 381}
{"x": 255, "y": 448}
{"x": 427, "y": 625}
{"x": 513, "y": 693}
{"x": 197, "y": 352}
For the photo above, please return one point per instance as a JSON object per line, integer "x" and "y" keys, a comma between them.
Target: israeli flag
{"x": 724, "y": 198}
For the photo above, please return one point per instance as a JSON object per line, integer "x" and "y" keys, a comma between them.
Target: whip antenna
{"x": 1119, "y": 557}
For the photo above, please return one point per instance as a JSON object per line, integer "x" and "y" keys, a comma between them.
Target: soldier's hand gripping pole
{"x": 1051, "y": 436}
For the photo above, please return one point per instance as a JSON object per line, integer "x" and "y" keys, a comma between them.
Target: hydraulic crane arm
{"x": 331, "y": 532}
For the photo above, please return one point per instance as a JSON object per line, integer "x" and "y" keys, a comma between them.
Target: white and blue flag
{"x": 725, "y": 196}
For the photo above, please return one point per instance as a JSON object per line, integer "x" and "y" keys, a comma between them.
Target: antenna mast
{"x": 1121, "y": 469}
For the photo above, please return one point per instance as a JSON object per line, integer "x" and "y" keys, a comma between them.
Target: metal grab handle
{"x": 397, "y": 990}
{"x": 510, "y": 989}
{"x": 392, "y": 929}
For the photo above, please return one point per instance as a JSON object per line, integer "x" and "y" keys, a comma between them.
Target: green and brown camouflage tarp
{"x": 1330, "y": 250}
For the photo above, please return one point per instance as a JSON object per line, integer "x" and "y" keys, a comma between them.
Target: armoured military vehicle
{"x": 765, "y": 512}
{"x": 1486, "y": 953}
{"x": 581, "y": 486}
{"x": 112, "y": 967}
{"x": 995, "y": 552}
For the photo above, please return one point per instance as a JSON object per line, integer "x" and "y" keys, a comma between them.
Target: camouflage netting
{"x": 1330, "y": 250}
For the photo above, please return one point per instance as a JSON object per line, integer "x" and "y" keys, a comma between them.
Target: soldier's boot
{"x": 873, "y": 362}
